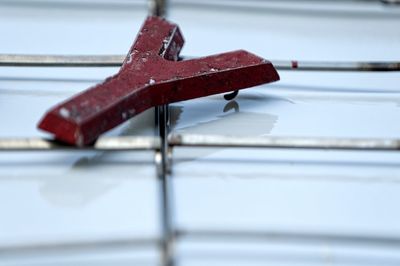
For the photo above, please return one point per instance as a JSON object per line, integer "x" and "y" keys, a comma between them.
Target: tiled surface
{"x": 291, "y": 191}
{"x": 58, "y": 198}
{"x": 91, "y": 196}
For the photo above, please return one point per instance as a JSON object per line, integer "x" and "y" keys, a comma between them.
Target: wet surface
{"x": 250, "y": 192}
{"x": 64, "y": 197}
{"x": 325, "y": 207}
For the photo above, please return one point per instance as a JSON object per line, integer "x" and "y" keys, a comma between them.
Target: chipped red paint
{"x": 151, "y": 76}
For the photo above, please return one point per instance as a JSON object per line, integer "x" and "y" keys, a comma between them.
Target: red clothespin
{"x": 151, "y": 75}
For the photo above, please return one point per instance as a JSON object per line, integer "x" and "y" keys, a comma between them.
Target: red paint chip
{"x": 151, "y": 76}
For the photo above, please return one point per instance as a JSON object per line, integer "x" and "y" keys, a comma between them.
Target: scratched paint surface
{"x": 92, "y": 196}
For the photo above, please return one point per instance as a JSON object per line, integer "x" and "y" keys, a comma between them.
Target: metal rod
{"x": 234, "y": 4}
{"x": 336, "y": 66}
{"x": 283, "y": 142}
{"x": 158, "y": 7}
{"x": 189, "y": 140}
{"x": 13, "y": 60}
{"x": 79, "y": 245}
{"x": 287, "y": 236}
{"x": 61, "y": 60}
{"x": 102, "y": 144}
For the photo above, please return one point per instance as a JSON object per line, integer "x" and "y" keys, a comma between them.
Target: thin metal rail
{"x": 77, "y": 246}
{"x": 13, "y": 60}
{"x": 287, "y": 236}
{"x": 159, "y": 8}
{"x": 102, "y": 144}
{"x": 189, "y": 140}
{"x": 177, "y": 3}
{"x": 21, "y": 60}
{"x": 208, "y": 235}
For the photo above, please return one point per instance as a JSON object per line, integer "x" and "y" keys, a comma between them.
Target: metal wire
{"x": 61, "y": 60}
{"x": 287, "y": 236}
{"x": 14, "y": 60}
{"x": 192, "y": 140}
{"x": 102, "y": 144}
{"x": 77, "y": 246}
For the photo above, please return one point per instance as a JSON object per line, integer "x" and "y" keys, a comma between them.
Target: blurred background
{"x": 218, "y": 206}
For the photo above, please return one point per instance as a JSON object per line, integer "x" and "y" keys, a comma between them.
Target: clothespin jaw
{"x": 152, "y": 76}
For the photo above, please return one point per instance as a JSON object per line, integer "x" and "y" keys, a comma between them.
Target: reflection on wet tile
{"x": 66, "y": 199}
{"x": 238, "y": 123}
{"x": 237, "y": 116}
{"x": 298, "y": 113}
{"x": 229, "y": 120}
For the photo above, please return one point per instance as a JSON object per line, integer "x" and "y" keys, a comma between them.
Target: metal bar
{"x": 81, "y": 245}
{"x": 102, "y": 144}
{"x": 123, "y": 4}
{"x": 189, "y": 140}
{"x": 304, "y": 8}
{"x": 159, "y": 8}
{"x": 61, "y": 60}
{"x": 336, "y": 66}
{"x": 116, "y": 61}
{"x": 390, "y": 2}
{"x": 287, "y": 236}
{"x": 283, "y": 142}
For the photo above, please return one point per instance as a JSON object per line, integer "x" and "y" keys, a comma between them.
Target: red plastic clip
{"x": 152, "y": 76}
